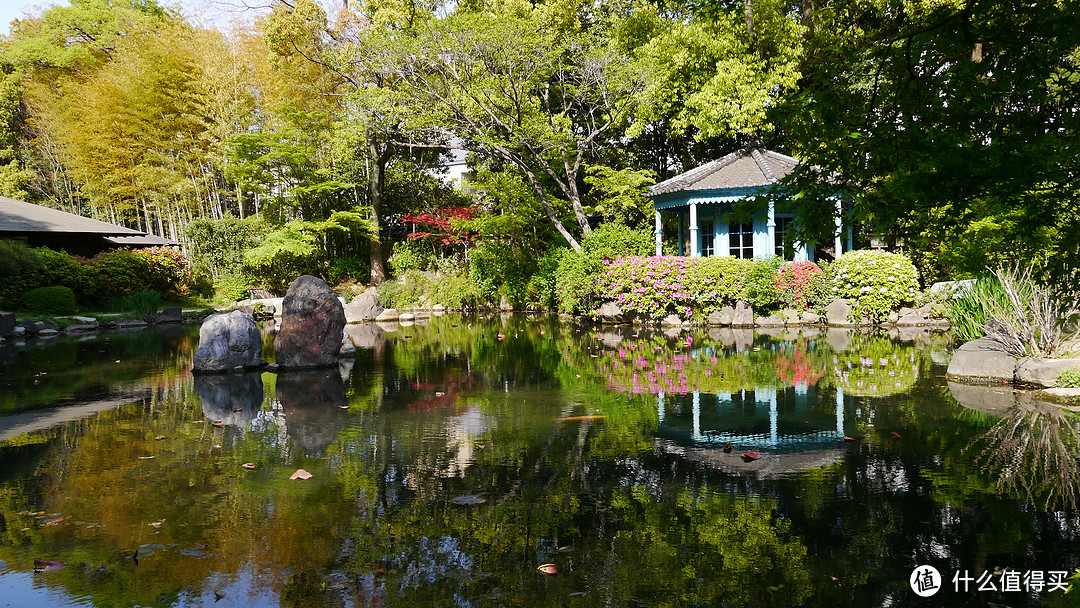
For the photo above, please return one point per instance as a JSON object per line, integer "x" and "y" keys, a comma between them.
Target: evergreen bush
{"x": 52, "y": 300}
{"x": 1069, "y": 378}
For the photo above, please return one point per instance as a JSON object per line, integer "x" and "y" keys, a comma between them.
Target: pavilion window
{"x": 784, "y": 228}
{"x": 742, "y": 239}
{"x": 708, "y": 239}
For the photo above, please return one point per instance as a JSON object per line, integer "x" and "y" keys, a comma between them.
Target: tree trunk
{"x": 378, "y": 186}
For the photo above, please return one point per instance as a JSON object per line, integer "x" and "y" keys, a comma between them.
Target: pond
{"x": 454, "y": 459}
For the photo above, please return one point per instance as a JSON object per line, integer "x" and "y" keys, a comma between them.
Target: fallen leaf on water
{"x": 548, "y": 569}
{"x": 576, "y": 594}
{"x": 238, "y": 409}
{"x": 117, "y": 360}
{"x": 727, "y": 447}
{"x": 53, "y": 522}
{"x": 343, "y": 407}
{"x": 217, "y": 446}
{"x": 198, "y": 422}
{"x": 249, "y": 466}
{"x": 218, "y": 423}
{"x": 481, "y": 445}
{"x": 849, "y": 439}
{"x": 156, "y": 524}
{"x": 159, "y": 438}
{"x": 471, "y": 499}
{"x": 439, "y": 393}
{"x": 751, "y": 455}
{"x": 43, "y": 565}
{"x": 502, "y": 337}
{"x": 300, "y": 474}
{"x": 579, "y": 418}
{"x": 895, "y": 435}
{"x": 146, "y": 457}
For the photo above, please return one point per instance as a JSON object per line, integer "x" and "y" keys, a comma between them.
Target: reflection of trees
{"x": 1032, "y": 453}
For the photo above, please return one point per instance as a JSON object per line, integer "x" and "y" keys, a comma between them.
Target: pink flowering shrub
{"x": 793, "y": 281}
{"x": 655, "y": 286}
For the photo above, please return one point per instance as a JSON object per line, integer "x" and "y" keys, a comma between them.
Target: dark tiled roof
{"x": 22, "y": 217}
{"x": 748, "y": 168}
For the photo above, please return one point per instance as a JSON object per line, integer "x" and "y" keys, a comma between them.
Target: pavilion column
{"x": 723, "y": 236}
{"x": 694, "y": 243}
{"x": 659, "y": 235}
{"x": 840, "y": 411}
{"x": 839, "y": 244}
{"x": 770, "y": 225}
{"x": 682, "y": 247}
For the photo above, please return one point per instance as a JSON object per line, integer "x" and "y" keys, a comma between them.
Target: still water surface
{"x": 602, "y": 453}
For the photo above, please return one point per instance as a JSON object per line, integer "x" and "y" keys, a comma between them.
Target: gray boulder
{"x": 742, "y": 305}
{"x": 838, "y": 313}
{"x": 610, "y": 312}
{"x": 40, "y": 326}
{"x": 228, "y": 340}
{"x": 7, "y": 322}
{"x": 721, "y": 317}
{"x": 982, "y": 359}
{"x": 364, "y": 307}
{"x": 743, "y": 317}
{"x": 312, "y": 321}
{"x": 810, "y": 318}
{"x": 1043, "y": 372}
{"x": 170, "y": 314}
{"x": 671, "y": 320}
{"x": 770, "y": 321}
{"x": 790, "y": 316}
{"x": 911, "y": 319}
{"x": 388, "y": 314}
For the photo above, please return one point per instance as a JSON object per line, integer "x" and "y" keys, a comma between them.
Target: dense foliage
{"x": 92, "y": 281}
{"x": 304, "y": 141}
{"x": 875, "y": 282}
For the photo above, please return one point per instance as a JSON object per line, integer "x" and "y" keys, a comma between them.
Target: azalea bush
{"x": 874, "y": 282}
{"x": 795, "y": 282}
{"x": 655, "y": 286}
{"x": 577, "y": 273}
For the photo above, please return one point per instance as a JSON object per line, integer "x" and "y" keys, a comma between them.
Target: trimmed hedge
{"x": 875, "y": 282}
{"x": 54, "y": 300}
{"x": 93, "y": 281}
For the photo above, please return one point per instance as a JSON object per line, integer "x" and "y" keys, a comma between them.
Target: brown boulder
{"x": 312, "y": 321}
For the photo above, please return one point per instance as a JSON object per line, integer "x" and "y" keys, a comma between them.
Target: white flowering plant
{"x": 874, "y": 282}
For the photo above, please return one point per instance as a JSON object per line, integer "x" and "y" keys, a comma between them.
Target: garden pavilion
{"x": 703, "y": 201}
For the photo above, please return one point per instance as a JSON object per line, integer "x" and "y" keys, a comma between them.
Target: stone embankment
{"x": 986, "y": 360}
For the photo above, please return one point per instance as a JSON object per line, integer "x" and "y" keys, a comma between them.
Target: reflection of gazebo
{"x": 778, "y": 419}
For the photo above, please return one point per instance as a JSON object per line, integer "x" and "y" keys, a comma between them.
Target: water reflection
{"x": 628, "y": 491}
{"x": 234, "y": 399}
{"x": 311, "y": 401}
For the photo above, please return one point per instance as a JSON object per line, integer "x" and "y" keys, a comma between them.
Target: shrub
{"x": 21, "y": 269}
{"x": 168, "y": 271}
{"x": 875, "y": 282}
{"x": 655, "y": 286}
{"x": 454, "y": 291}
{"x": 231, "y": 287}
{"x": 1069, "y": 378}
{"x": 54, "y": 300}
{"x": 1030, "y": 319}
{"x": 819, "y": 292}
{"x": 761, "y": 292}
{"x": 576, "y": 274}
{"x": 499, "y": 269}
{"x": 356, "y": 268}
{"x": 122, "y": 272}
{"x": 795, "y": 282}
{"x": 410, "y": 255}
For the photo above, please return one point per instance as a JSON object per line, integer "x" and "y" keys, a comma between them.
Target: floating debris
{"x": 300, "y": 474}
{"x": 42, "y": 566}
{"x": 547, "y": 569}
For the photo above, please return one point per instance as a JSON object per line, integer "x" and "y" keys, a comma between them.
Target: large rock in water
{"x": 364, "y": 307}
{"x": 312, "y": 320}
{"x": 983, "y": 359}
{"x": 226, "y": 341}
